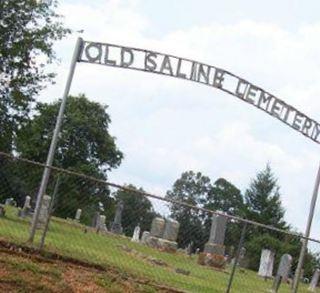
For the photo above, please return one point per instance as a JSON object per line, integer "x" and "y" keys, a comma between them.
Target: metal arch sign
{"x": 164, "y": 64}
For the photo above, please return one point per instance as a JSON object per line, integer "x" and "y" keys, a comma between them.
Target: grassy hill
{"x": 148, "y": 270}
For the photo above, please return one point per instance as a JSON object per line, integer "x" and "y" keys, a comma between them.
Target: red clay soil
{"x": 23, "y": 269}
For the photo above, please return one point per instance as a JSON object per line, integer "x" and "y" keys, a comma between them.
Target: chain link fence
{"x": 127, "y": 230}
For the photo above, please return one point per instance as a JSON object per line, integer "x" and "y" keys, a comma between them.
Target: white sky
{"x": 166, "y": 126}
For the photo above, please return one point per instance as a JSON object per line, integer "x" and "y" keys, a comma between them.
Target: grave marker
{"x": 266, "y": 263}
{"x": 78, "y": 215}
{"x": 314, "y": 280}
{"x": 214, "y": 249}
{"x": 116, "y": 226}
{"x": 283, "y": 271}
{"x": 136, "y": 234}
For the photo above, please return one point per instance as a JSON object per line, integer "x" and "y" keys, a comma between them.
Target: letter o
{"x": 91, "y": 58}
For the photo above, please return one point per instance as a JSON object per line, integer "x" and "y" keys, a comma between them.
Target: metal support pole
{"x": 307, "y": 234}
{"x": 243, "y": 232}
{"x": 46, "y": 172}
{"x": 52, "y": 203}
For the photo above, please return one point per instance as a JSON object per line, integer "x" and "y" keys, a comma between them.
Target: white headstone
{"x": 266, "y": 263}
{"x": 314, "y": 280}
{"x": 78, "y": 215}
{"x": 145, "y": 236}
{"x": 26, "y": 209}
{"x": 27, "y": 202}
{"x": 102, "y": 224}
{"x": 136, "y": 234}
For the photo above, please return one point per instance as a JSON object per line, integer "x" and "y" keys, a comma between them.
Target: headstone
{"x": 78, "y": 215}
{"x": 163, "y": 234}
{"x": 101, "y": 224}
{"x": 26, "y": 209}
{"x": 214, "y": 249}
{"x": 116, "y": 226}
{"x": 215, "y": 245}
{"x": 44, "y": 211}
{"x": 314, "y": 280}
{"x": 171, "y": 230}
{"x": 241, "y": 259}
{"x": 266, "y": 263}
{"x": 284, "y": 266}
{"x": 157, "y": 227}
{"x": 136, "y": 234}
{"x": 144, "y": 237}
{"x": 283, "y": 271}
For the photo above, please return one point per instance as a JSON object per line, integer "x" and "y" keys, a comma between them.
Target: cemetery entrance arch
{"x": 169, "y": 65}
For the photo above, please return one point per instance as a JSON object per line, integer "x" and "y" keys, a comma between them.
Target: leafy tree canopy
{"x": 85, "y": 143}
{"x": 225, "y": 197}
{"x": 191, "y": 188}
{"x": 28, "y": 29}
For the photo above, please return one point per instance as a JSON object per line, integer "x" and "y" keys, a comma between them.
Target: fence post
{"x": 307, "y": 234}
{"x": 46, "y": 172}
{"x": 54, "y": 197}
{"x": 243, "y": 232}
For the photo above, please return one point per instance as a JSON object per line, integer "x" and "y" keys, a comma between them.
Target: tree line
{"x": 260, "y": 202}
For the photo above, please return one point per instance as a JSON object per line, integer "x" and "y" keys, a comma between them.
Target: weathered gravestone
{"x": 214, "y": 249}
{"x": 26, "y": 209}
{"x": 163, "y": 234}
{"x": 242, "y": 256}
{"x": 241, "y": 260}
{"x": 78, "y": 215}
{"x": 170, "y": 234}
{"x": 144, "y": 237}
{"x": 283, "y": 271}
{"x": 266, "y": 263}
{"x": 101, "y": 224}
{"x": 171, "y": 230}
{"x": 116, "y": 226}
{"x": 314, "y": 280}
{"x": 44, "y": 211}
{"x": 157, "y": 227}
{"x": 136, "y": 234}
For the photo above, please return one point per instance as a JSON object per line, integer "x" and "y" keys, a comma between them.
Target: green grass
{"x": 70, "y": 240}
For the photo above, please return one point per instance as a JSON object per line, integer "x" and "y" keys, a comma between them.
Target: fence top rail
{"x": 147, "y": 194}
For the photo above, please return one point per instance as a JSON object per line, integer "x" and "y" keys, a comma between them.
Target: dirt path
{"x": 26, "y": 270}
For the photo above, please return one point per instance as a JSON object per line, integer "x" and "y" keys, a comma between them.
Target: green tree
{"x": 263, "y": 205}
{"x": 191, "y": 188}
{"x": 225, "y": 197}
{"x": 137, "y": 210}
{"x": 262, "y": 200}
{"x": 85, "y": 145}
{"x": 28, "y": 29}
